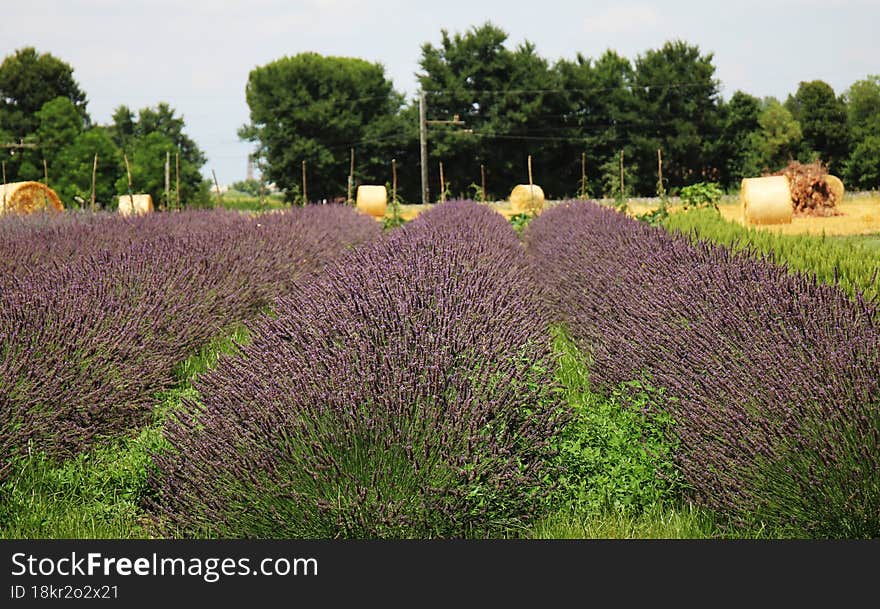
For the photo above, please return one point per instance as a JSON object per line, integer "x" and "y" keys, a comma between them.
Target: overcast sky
{"x": 196, "y": 54}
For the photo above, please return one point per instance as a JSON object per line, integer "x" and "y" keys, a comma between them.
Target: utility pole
{"x": 423, "y": 145}
{"x": 305, "y": 192}
{"x": 349, "y": 200}
{"x": 20, "y": 145}
{"x": 622, "y": 189}
{"x": 423, "y": 140}
{"x": 167, "y": 203}
{"x": 661, "y": 191}
{"x": 94, "y": 176}
{"x": 217, "y": 186}
{"x": 442, "y": 185}
{"x": 483, "y": 181}
{"x": 177, "y": 178}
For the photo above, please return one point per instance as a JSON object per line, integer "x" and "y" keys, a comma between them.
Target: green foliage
{"x": 776, "y": 142}
{"x": 655, "y": 522}
{"x": 803, "y": 501}
{"x": 682, "y": 121}
{"x": 60, "y": 122}
{"x": 739, "y": 125}
{"x": 249, "y": 187}
{"x": 823, "y": 120}
{"x": 616, "y": 454}
{"x": 100, "y": 494}
{"x": 863, "y": 108}
{"x": 863, "y": 168}
{"x": 313, "y": 108}
{"x": 701, "y": 195}
{"x": 29, "y": 80}
{"x": 146, "y": 140}
{"x": 849, "y": 261}
{"x": 497, "y": 91}
{"x": 520, "y": 221}
{"x": 72, "y": 169}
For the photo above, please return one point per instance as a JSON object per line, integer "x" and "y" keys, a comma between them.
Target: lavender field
{"x": 442, "y": 379}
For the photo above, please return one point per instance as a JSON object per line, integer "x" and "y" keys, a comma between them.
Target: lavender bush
{"x": 406, "y": 392}
{"x": 95, "y": 311}
{"x": 774, "y": 379}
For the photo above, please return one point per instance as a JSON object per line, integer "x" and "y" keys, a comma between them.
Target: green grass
{"x": 655, "y": 522}
{"x": 853, "y": 261}
{"x": 244, "y": 202}
{"x": 98, "y": 494}
{"x": 617, "y": 479}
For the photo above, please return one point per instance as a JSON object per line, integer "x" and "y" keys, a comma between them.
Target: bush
{"x": 772, "y": 378}
{"x": 616, "y": 454}
{"x": 95, "y": 311}
{"x": 701, "y": 195}
{"x": 405, "y": 392}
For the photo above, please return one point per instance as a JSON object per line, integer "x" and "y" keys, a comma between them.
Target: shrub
{"x": 701, "y": 194}
{"x": 405, "y": 392}
{"x": 773, "y": 380}
{"x": 95, "y": 312}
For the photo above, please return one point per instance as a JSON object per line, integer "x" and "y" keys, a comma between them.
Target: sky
{"x": 197, "y": 54}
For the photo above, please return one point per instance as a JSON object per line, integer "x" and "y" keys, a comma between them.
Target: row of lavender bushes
{"x": 406, "y": 392}
{"x": 773, "y": 380}
{"x": 96, "y": 310}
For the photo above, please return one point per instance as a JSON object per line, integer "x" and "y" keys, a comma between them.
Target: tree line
{"x": 43, "y": 118}
{"x": 607, "y": 115}
{"x": 514, "y": 103}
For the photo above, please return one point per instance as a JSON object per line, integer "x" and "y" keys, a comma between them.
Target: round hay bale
{"x": 143, "y": 204}
{"x": 766, "y": 200}
{"x": 835, "y": 187}
{"x": 372, "y": 200}
{"x": 28, "y": 197}
{"x": 527, "y": 199}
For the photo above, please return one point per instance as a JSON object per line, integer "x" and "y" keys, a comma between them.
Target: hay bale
{"x": 143, "y": 204}
{"x": 527, "y": 199}
{"x": 766, "y": 200}
{"x": 372, "y": 200}
{"x": 835, "y": 187}
{"x": 28, "y": 197}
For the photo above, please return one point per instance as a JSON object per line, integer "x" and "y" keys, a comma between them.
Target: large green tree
{"x": 823, "y": 120}
{"x": 74, "y": 164}
{"x": 145, "y": 139}
{"x": 507, "y": 99}
{"x": 598, "y": 115}
{"x": 776, "y": 142}
{"x": 739, "y": 124}
{"x": 28, "y": 80}
{"x": 314, "y": 108}
{"x": 677, "y": 100}
{"x": 863, "y": 117}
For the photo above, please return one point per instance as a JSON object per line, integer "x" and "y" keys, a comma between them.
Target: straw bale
{"x": 372, "y": 200}
{"x": 766, "y": 200}
{"x": 28, "y": 197}
{"x": 143, "y": 204}
{"x": 527, "y": 199}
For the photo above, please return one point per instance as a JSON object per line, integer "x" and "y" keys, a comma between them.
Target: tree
{"x": 823, "y": 120}
{"x": 677, "y": 99}
{"x": 863, "y": 109}
{"x": 314, "y": 108}
{"x": 777, "y": 142}
{"x": 598, "y": 115}
{"x": 74, "y": 166}
{"x": 28, "y": 80}
{"x": 863, "y": 167}
{"x": 155, "y": 132}
{"x": 739, "y": 123}
{"x": 59, "y": 123}
{"x": 505, "y": 98}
